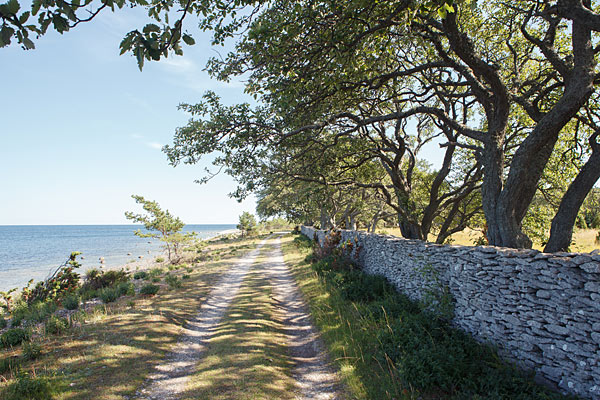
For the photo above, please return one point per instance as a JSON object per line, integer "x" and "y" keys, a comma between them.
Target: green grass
{"x": 387, "y": 347}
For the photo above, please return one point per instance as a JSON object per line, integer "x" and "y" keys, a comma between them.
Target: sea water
{"x": 34, "y": 251}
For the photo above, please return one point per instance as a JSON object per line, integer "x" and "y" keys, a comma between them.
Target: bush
{"x": 140, "y": 275}
{"x": 159, "y": 259}
{"x": 126, "y": 289}
{"x": 173, "y": 282}
{"x": 156, "y": 279}
{"x": 56, "y": 325}
{"x": 63, "y": 280}
{"x": 154, "y": 272}
{"x": 302, "y": 242}
{"x": 88, "y": 294}
{"x": 32, "y": 351}
{"x": 185, "y": 276}
{"x": 109, "y": 294}
{"x": 96, "y": 279}
{"x": 3, "y": 323}
{"x": 30, "y": 388}
{"x": 14, "y": 337}
{"x": 71, "y": 302}
{"x": 149, "y": 290}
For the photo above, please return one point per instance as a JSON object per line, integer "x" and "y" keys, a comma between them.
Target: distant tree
{"x": 161, "y": 225}
{"x": 247, "y": 223}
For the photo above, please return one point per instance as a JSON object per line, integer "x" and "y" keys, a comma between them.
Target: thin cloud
{"x": 154, "y": 145}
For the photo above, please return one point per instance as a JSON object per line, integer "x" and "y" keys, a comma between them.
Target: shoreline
{"x": 148, "y": 261}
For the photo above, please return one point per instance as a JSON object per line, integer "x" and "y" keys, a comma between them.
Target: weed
{"x": 126, "y": 289}
{"x": 71, "y": 302}
{"x": 9, "y": 364}
{"x": 149, "y": 290}
{"x": 140, "y": 275}
{"x": 173, "y": 282}
{"x": 96, "y": 279}
{"x": 14, "y": 337}
{"x": 185, "y": 276}
{"x": 56, "y": 325}
{"x": 109, "y": 294}
{"x": 159, "y": 259}
{"x": 28, "y": 387}
{"x": 32, "y": 350}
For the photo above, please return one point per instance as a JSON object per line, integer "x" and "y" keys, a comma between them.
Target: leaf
{"x": 35, "y": 6}
{"x": 6, "y": 34}
{"x": 188, "y": 39}
{"x": 24, "y": 17}
{"x": 139, "y": 55}
{"x": 28, "y": 44}
{"x": 13, "y": 6}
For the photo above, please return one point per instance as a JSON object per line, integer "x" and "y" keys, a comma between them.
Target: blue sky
{"x": 82, "y": 128}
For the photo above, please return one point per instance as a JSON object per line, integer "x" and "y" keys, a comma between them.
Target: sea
{"x": 35, "y": 251}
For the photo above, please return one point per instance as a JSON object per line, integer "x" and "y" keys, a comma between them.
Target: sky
{"x": 81, "y": 129}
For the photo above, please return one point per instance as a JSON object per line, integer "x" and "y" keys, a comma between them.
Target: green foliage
{"x": 149, "y": 290}
{"x": 14, "y": 337}
{"x": 35, "y": 312}
{"x": 88, "y": 294}
{"x": 154, "y": 272}
{"x": 56, "y": 325}
{"x": 71, "y": 302}
{"x": 96, "y": 279}
{"x": 140, "y": 275}
{"x": 302, "y": 242}
{"x": 3, "y": 322}
{"x": 27, "y": 387}
{"x": 126, "y": 289}
{"x": 63, "y": 280}
{"x": 9, "y": 364}
{"x": 173, "y": 281}
{"x": 247, "y": 223}
{"x": 32, "y": 350}
{"x": 185, "y": 276}
{"x": 159, "y": 259}
{"x": 109, "y": 294}
{"x": 413, "y": 347}
{"x": 161, "y": 224}
{"x": 7, "y": 299}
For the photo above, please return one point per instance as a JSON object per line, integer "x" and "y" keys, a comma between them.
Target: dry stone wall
{"x": 541, "y": 310}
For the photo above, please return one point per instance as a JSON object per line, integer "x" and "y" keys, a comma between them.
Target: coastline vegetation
{"x": 102, "y": 337}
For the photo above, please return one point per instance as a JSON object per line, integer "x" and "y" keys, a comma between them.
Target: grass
{"x": 584, "y": 240}
{"x": 387, "y": 347}
{"x": 108, "y": 351}
{"x": 247, "y": 356}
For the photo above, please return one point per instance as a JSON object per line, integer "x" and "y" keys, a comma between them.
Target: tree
{"x": 247, "y": 223}
{"x": 161, "y": 225}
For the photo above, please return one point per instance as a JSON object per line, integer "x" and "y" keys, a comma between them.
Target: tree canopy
{"x": 349, "y": 93}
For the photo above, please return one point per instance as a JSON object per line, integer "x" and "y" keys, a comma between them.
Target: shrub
{"x": 126, "y": 289}
{"x": 156, "y": 279}
{"x": 63, "y": 280}
{"x": 149, "y": 290}
{"x": 71, "y": 302}
{"x": 156, "y": 272}
{"x": 185, "y": 276}
{"x": 30, "y": 388}
{"x": 189, "y": 270}
{"x": 56, "y": 325}
{"x": 32, "y": 351}
{"x": 302, "y": 242}
{"x": 159, "y": 259}
{"x": 3, "y": 323}
{"x": 173, "y": 282}
{"x": 96, "y": 279}
{"x": 89, "y": 294}
{"x": 9, "y": 364}
{"x": 14, "y": 337}
{"x": 109, "y": 294}
{"x": 140, "y": 275}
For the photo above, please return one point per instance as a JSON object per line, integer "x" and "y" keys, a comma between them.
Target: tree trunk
{"x": 561, "y": 231}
